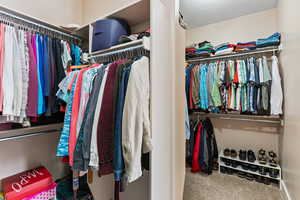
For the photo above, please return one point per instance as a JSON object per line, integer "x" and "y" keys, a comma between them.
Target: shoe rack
{"x": 226, "y": 162}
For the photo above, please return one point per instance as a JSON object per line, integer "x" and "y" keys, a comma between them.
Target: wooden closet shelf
{"x": 31, "y": 131}
{"x": 276, "y": 119}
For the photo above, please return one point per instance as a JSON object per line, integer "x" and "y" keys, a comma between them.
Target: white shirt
{"x": 276, "y": 89}
{"x": 136, "y": 136}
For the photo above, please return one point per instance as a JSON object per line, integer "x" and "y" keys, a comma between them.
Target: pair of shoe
{"x": 263, "y": 180}
{"x": 230, "y": 153}
{"x": 264, "y": 159}
{"x": 247, "y": 155}
{"x": 249, "y": 177}
{"x": 225, "y": 170}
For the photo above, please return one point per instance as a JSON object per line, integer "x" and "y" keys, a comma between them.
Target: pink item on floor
{"x": 45, "y": 195}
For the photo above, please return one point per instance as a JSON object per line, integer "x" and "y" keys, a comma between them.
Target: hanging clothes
{"x": 107, "y": 120}
{"x": 242, "y": 85}
{"x": 202, "y": 150}
{"x": 28, "y": 75}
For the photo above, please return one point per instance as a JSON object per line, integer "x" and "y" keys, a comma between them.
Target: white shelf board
{"x": 245, "y": 161}
{"x": 239, "y": 168}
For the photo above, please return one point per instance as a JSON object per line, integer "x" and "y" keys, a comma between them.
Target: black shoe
{"x": 242, "y": 155}
{"x": 241, "y": 174}
{"x": 223, "y": 170}
{"x": 234, "y": 164}
{"x": 249, "y": 177}
{"x": 245, "y": 166}
{"x": 253, "y": 168}
{"x": 230, "y": 171}
{"x": 259, "y": 179}
{"x": 227, "y": 162}
{"x": 267, "y": 181}
{"x": 251, "y": 156}
{"x": 263, "y": 170}
{"x": 274, "y": 173}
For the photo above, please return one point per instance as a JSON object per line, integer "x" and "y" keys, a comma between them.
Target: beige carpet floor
{"x": 225, "y": 187}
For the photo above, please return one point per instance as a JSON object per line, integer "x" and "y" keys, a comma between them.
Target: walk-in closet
{"x": 149, "y": 100}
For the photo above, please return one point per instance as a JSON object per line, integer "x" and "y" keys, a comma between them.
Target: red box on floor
{"x": 26, "y": 183}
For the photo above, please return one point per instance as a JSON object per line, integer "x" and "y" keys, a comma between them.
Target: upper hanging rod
{"x": 134, "y": 45}
{"x": 231, "y": 55}
{"x": 35, "y": 22}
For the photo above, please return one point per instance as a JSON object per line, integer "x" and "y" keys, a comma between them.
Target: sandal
{"x": 262, "y": 157}
{"x": 226, "y": 152}
{"x": 274, "y": 160}
{"x": 233, "y": 153}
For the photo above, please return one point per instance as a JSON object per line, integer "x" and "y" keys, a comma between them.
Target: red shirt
{"x": 196, "y": 153}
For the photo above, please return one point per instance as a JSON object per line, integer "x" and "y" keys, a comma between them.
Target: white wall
{"x": 242, "y": 29}
{"x": 234, "y": 134}
{"x": 57, "y": 12}
{"x": 288, "y": 17}
{"x": 93, "y": 9}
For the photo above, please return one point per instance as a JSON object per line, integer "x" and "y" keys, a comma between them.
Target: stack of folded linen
{"x": 224, "y": 48}
{"x": 205, "y": 49}
{"x": 273, "y": 40}
{"x": 190, "y": 52}
{"x": 245, "y": 46}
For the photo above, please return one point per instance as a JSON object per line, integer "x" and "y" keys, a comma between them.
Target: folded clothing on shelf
{"x": 245, "y": 46}
{"x": 133, "y": 37}
{"x": 273, "y": 40}
{"x": 224, "y": 48}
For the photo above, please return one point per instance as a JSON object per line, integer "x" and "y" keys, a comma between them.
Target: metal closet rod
{"x": 235, "y": 55}
{"x": 241, "y": 119}
{"x": 28, "y": 135}
{"x": 39, "y": 25}
{"x": 245, "y": 119}
{"x": 117, "y": 51}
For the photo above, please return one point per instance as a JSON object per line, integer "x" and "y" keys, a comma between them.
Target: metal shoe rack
{"x": 256, "y": 163}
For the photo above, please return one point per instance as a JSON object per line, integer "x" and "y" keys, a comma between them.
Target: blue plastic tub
{"x": 106, "y": 33}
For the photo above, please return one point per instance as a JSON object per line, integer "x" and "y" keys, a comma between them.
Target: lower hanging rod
{"x": 28, "y": 135}
{"x": 245, "y": 119}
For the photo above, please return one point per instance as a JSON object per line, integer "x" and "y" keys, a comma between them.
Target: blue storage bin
{"x": 106, "y": 33}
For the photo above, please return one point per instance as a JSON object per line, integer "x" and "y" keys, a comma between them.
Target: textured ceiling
{"x": 202, "y": 12}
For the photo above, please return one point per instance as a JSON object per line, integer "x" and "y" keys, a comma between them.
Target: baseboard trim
{"x": 285, "y": 193}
